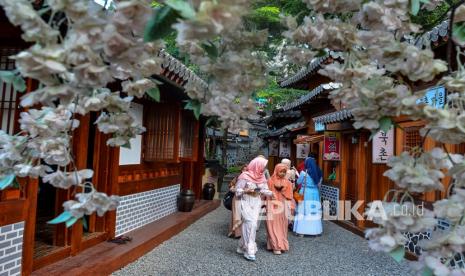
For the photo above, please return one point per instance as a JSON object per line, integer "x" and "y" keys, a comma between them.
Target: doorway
{"x": 351, "y": 158}
{"x": 55, "y": 242}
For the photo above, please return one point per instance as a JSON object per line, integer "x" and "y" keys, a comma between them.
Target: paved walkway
{"x": 204, "y": 249}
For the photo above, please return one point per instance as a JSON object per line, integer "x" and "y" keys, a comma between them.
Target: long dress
{"x": 277, "y": 218}
{"x": 250, "y": 207}
{"x": 307, "y": 220}
{"x": 234, "y": 226}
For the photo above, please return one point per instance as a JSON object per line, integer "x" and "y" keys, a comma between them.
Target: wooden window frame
{"x": 149, "y": 110}
{"x": 185, "y": 115}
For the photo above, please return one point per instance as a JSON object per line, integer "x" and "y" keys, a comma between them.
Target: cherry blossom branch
{"x": 451, "y": 26}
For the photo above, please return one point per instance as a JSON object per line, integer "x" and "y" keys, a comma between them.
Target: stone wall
{"x": 11, "y": 248}
{"x": 137, "y": 210}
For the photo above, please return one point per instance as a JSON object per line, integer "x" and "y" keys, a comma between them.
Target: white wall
{"x": 132, "y": 156}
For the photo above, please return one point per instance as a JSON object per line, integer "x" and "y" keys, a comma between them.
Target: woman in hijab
{"x": 277, "y": 210}
{"x": 250, "y": 186}
{"x": 291, "y": 171}
{"x": 235, "y": 226}
{"x": 291, "y": 175}
{"x": 308, "y": 214}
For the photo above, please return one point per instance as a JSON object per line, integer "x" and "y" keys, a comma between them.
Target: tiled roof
{"x": 312, "y": 67}
{"x": 333, "y": 117}
{"x": 284, "y": 129}
{"x": 307, "y": 97}
{"x": 279, "y": 115}
{"x": 440, "y": 32}
{"x": 176, "y": 71}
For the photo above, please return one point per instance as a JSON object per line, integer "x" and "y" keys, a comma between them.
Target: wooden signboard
{"x": 285, "y": 149}
{"x": 273, "y": 148}
{"x": 383, "y": 146}
{"x": 332, "y": 146}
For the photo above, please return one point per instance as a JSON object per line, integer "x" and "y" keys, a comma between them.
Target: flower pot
{"x": 186, "y": 199}
{"x": 208, "y": 191}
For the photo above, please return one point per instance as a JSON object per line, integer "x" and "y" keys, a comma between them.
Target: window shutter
{"x": 9, "y": 98}
{"x": 188, "y": 136}
{"x": 161, "y": 136}
{"x": 412, "y": 138}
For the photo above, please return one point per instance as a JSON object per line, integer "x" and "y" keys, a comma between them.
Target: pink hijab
{"x": 254, "y": 172}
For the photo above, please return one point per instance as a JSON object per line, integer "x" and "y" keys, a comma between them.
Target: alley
{"x": 204, "y": 249}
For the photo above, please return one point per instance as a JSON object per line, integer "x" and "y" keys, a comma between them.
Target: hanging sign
{"x": 273, "y": 148}
{"x": 319, "y": 126}
{"x": 332, "y": 146}
{"x": 285, "y": 148}
{"x": 435, "y": 96}
{"x": 383, "y": 146}
{"x": 302, "y": 150}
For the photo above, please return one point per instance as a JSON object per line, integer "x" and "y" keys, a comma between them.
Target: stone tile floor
{"x": 204, "y": 249}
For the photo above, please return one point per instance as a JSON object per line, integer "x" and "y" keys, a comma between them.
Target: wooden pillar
{"x": 362, "y": 174}
{"x": 32, "y": 188}
{"x": 343, "y": 167}
{"x": 80, "y": 142}
{"x": 112, "y": 189}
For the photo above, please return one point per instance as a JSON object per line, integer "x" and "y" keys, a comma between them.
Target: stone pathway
{"x": 204, "y": 249}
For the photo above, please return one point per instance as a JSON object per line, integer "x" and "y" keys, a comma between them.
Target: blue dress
{"x": 307, "y": 220}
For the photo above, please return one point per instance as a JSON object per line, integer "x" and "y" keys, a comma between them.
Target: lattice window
{"x": 160, "y": 138}
{"x": 9, "y": 101}
{"x": 412, "y": 138}
{"x": 8, "y": 96}
{"x": 189, "y": 131}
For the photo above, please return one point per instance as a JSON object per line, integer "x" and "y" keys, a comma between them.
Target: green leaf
{"x": 385, "y": 124}
{"x": 65, "y": 216}
{"x": 183, "y": 7}
{"x": 160, "y": 24}
{"x": 398, "y": 253}
{"x": 427, "y": 272}
{"x": 195, "y": 106}
{"x": 84, "y": 223}
{"x": 7, "y": 76}
{"x": 71, "y": 221}
{"x": 127, "y": 145}
{"x": 16, "y": 184}
{"x": 154, "y": 93}
{"x": 19, "y": 84}
{"x": 211, "y": 49}
{"x": 414, "y": 7}
{"x": 6, "y": 181}
{"x": 459, "y": 32}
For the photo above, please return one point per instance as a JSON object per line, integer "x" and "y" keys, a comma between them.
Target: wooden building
{"x": 148, "y": 177}
{"x": 357, "y": 169}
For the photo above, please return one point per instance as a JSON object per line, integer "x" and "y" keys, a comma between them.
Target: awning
{"x": 308, "y": 139}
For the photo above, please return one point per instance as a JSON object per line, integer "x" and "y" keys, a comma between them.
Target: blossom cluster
{"x": 393, "y": 224}
{"x": 378, "y": 71}
{"x": 419, "y": 174}
{"x": 235, "y": 70}
{"x": 74, "y": 56}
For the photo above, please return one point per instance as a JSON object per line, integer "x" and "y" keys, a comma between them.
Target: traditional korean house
{"x": 148, "y": 177}
{"x": 352, "y": 164}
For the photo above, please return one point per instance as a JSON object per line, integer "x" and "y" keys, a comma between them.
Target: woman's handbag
{"x": 297, "y": 196}
{"x": 228, "y": 200}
